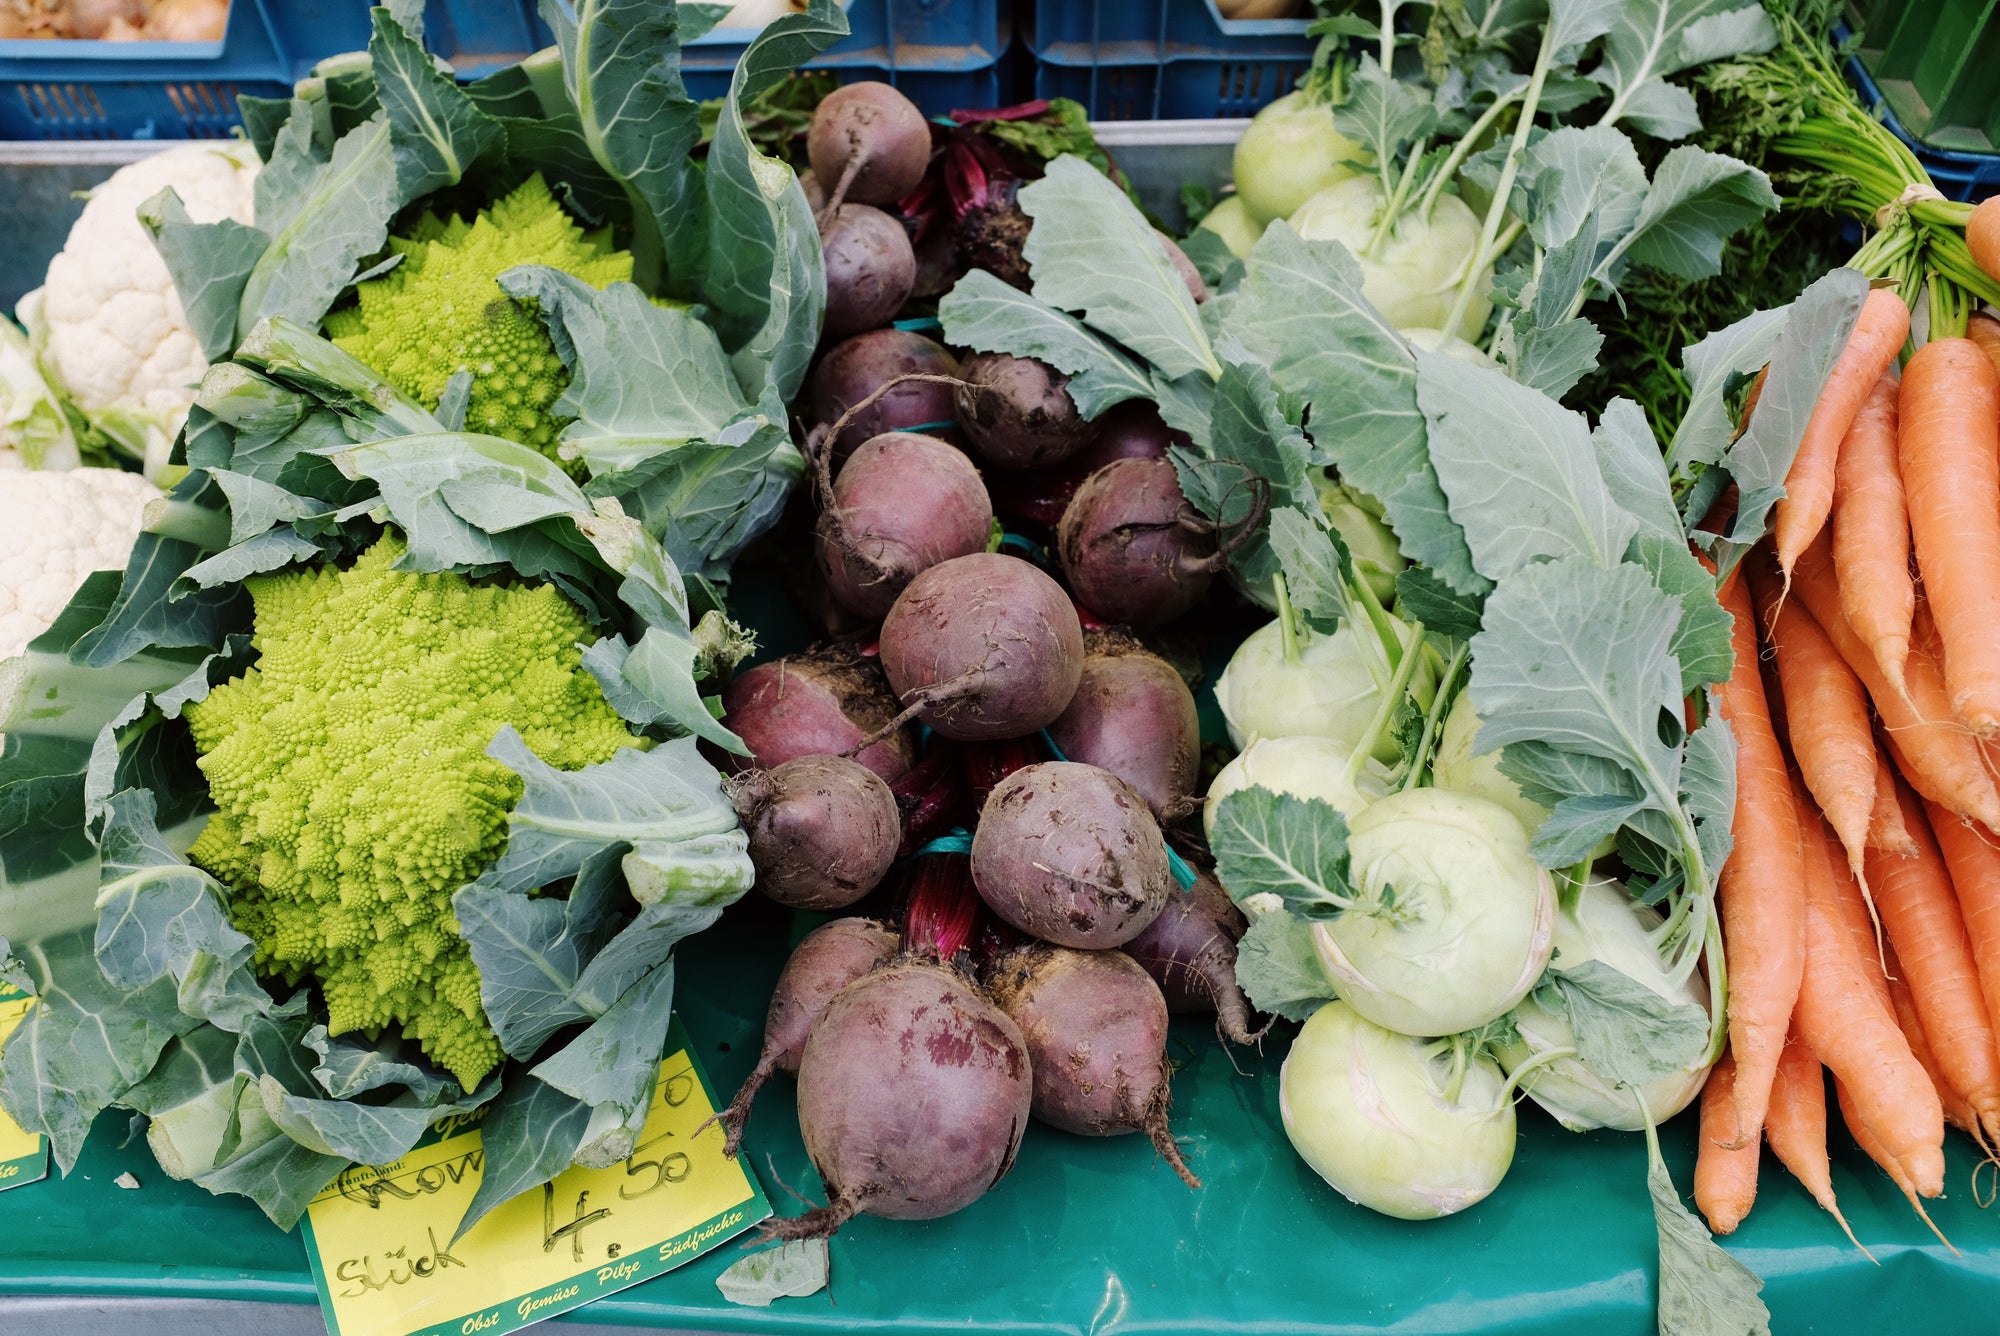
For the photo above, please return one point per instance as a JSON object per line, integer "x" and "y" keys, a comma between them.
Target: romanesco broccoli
{"x": 353, "y": 791}
{"x": 442, "y": 310}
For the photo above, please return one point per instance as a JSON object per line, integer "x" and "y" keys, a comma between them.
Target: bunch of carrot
{"x": 1861, "y": 907}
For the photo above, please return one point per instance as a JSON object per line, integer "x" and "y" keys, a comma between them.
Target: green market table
{"x": 1084, "y": 1236}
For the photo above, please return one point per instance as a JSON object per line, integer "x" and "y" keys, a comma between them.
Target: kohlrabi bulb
{"x": 1289, "y": 153}
{"x": 1232, "y": 221}
{"x": 1454, "y": 767}
{"x": 1413, "y": 276}
{"x": 1328, "y": 692}
{"x": 1437, "y": 341}
{"x": 1302, "y": 767}
{"x": 1377, "y": 555}
{"x": 1609, "y": 926}
{"x": 1376, "y": 1114}
{"x": 1456, "y": 920}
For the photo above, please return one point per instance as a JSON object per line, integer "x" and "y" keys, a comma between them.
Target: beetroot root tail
{"x": 819, "y": 1223}
{"x": 735, "y": 1117}
{"x": 1162, "y": 1137}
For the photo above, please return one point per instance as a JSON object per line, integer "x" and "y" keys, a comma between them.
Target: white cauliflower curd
{"x": 56, "y": 527}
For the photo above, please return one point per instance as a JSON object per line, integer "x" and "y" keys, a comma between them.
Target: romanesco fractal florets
{"x": 442, "y": 310}
{"x": 353, "y": 790}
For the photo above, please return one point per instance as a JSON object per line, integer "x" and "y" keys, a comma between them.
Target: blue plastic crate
{"x": 943, "y": 54}
{"x": 1969, "y": 177}
{"x": 1164, "y": 59}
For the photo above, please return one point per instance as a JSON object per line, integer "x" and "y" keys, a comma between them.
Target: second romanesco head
{"x": 442, "y": 311}
{"x": 352, "y": 788}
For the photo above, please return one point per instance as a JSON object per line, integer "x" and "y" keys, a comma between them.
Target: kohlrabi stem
{"x": 1462, "y": 150}
{"x": 1504, "y": 188}
{"x": 1392, "y": 205}
{"x": 1458, "y": 1065}
{"x": 1654, "y": 1160}
{"x": 1718, "y": 989}
{"x": 1288, "y": 633}
{"x": 1440, "y": 703}
{"x": 1542, "y": 1059}
{"x": 1388, "y": 36}
{"x": 1379, "y": 619}
{"x": 1385, "y": 711}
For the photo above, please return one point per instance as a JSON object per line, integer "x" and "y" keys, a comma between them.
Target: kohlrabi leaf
{"x": 1251, "y": 448}
{"x": 1697, "y": 201}
{"x": 323, "y": 212}
{"x": 1092, "y": 251}
{"x": 1629, "y": 459}
{"x": 764, "y": 279}
{"x": 1576, "y": 825}
{"x": 1713, "y": 368}
{"x": 989, "y": 316}
{"x": 1277, "y": 968}
{"x": 83, "y": 1044}
{"x": 1579, "y": 174}
{"x": 1708, "y": 783}
{"x": 1316, "y": 566}
{"x": 1518, "y": 469}
{"x": 1815, "y": 333}
{"x": 1657, "y": 38}
{"x": 1552, "y": 360}
{"x": 789, "y": 1271}
{"x": 210, "y": 263}
{"x": 1422, "y": 597}
{"x": 530, "y": 1134}
{"x": 621, "y": 64}
{"x": 1571, "y": 23}
{"x": 1626, "y": 1032}
{"x": 1702, "y": 640}
{"x": 1703, "y": 1290}
{"x": 1300, "y": 309}
{"x": 438, "y": 132}
{"x": 1382, "y": 113}
{"x": 1293, "y": 848}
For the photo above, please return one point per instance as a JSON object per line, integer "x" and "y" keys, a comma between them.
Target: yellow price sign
{"x": 23, "y": 1156}
{"x": 379, "y": 1239}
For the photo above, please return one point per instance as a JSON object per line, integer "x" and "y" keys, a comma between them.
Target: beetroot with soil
{"x": 1038, "y": 498}
{"x": 825, "y": 961}
{"x": 868, "y": 143}
{"x": 914, "y": 1091}
{"x": 1134, "y": 716}
{"x": 1018, "y": 411}
{"x": 855, "y": 368}
{"x": 1096, "y": 1029}
{"x": 1132, "y": 548}
{"x": 983, "y": 646}
{"x": 901, "y": 504}
{"x": 870, "y": 268}
{"x": 823, "y": 830}
{"x": 1072, "y": 855}
{"x": 824, "y": 702}
{"x": 1190, "y": 951}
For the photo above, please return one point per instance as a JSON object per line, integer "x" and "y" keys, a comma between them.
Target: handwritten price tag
{"x": 23, "y": 1157}
{"x": 379, "y": 1239}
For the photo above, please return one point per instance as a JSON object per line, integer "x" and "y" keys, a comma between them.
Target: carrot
{"x": 1846, "y": 1015}
{"x": 1857, "y": 914}
{"x": 1725, "y": 1168}
{"x": 1975, "y": 875}
{"x": 1982, "y": 237}
{"x": 1762, "y": 903}
{"x": 1872, "y": 1144}
{"x": 1949, "y": 455}
{"x": 1797, "y": 1128}
{"x": 1956, "y": 1111}
{"x": 1920, "y": 911}
{"x": 1836, "y": 753}
{"x": 1984, "y": 330}
{"x": 1886, "y": 831}
{"x": 1879, "y": 332}
{"x": 1940, "y": 759}
{"x": 1871, "y": 533}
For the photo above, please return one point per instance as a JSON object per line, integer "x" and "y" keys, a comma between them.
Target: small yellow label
{"x": 379, "y": 1239}
{"x": 23, "y": 1158}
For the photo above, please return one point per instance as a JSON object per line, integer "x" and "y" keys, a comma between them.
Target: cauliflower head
{"x": 352, "y": 788}
{"x": 107, "y": 322}
{"x": 55, "y": 529}
{"x": 442, "y": 311}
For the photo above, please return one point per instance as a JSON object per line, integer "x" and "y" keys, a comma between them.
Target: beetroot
{"x": 1190, "y": 950}
{"x": 823, "y": 702}
{"x": 983, "y": 646}
{"x": 1132, "y": 548}
{"x": 913, "y": 1094}
{"x": 826, "y": 960}
{"x": 1096, "y": 1030}
{"x": 1037, "y": 498}
{"x": 868, "y": 143}
{"x": 1018, "y": 411}
{"x": 870, "y": 268}
{"x": 901, "y": 504}
{"x": 855, "y": 368}
{"x": 1134, "y": 716}
{"x": 823, "y": 830}
{"x": 1071, "y": 854}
